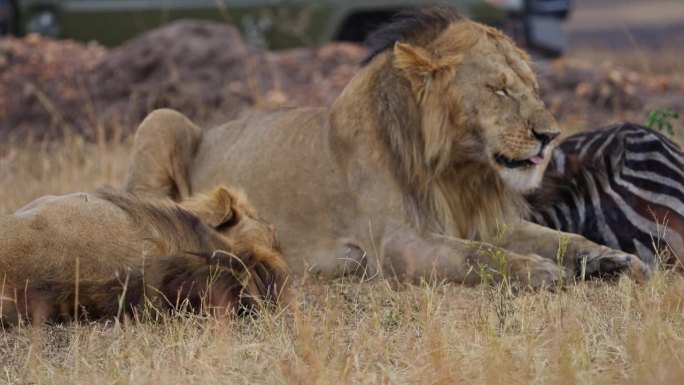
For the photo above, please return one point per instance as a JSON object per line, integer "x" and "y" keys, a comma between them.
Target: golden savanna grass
{"x": 348, "y": 331}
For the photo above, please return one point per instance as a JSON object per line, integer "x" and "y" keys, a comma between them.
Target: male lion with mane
{"x": 410, "y": 172}
{"x": 111, "y": 253}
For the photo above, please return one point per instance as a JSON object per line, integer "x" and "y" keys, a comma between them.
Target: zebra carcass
{"x": 622, "y": 186}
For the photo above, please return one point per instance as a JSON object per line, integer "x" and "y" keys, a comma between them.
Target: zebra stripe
{"x": 616, "y": 186}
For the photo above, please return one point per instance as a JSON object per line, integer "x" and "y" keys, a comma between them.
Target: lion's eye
{"x": 502, "y": 92}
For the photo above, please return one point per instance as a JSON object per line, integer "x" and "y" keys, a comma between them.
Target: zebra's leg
{"x": 582, "y": 256}
{"x": 165, "y": 146}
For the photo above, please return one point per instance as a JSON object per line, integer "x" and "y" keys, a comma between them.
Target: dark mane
{"x": 166, "y": 222}
{"x": 252, "y": 271}
{"x": 417, "y": 24}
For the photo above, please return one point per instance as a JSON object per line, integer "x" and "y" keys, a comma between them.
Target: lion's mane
{"x": 446, "y": 193}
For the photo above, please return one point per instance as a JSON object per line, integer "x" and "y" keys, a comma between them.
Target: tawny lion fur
{"x": 411, "y": 171}
{"x": 111, "y": 252}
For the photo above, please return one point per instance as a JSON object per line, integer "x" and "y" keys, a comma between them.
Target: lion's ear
{"x": 413, "y": 59}
{"x": 215, "y": 208}
{"x": 224, "y": 215}
{"x": 429, "y": 76}
{"x": 419, "y": 65}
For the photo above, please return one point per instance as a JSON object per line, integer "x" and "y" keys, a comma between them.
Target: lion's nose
{"x": 545, "y": 137}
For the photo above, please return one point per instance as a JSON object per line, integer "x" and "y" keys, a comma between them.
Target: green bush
{"x": 660, "y": 118}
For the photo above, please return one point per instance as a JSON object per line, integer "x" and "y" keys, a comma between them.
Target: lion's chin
{"x": 522, "y": 175}
{"x": 522, "y": 179}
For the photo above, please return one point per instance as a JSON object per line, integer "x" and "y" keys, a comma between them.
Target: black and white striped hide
{"x": 621, "y": 186}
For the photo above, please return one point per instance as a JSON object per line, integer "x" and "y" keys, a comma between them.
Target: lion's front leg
{"x": 413, "y": 256}
{"x": 581, "y": 256}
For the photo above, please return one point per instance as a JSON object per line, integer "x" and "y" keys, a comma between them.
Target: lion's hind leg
{"x": 165, "y": 144}
{"x": 36, "y": 302}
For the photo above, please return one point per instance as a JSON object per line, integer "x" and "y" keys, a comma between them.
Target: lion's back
{"x": 55, "y": 231}
{"x": 276, "y": 149}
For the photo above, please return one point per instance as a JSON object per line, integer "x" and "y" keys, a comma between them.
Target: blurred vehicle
{"x": 277, "y": 24}
{"x": 4, "y": 17}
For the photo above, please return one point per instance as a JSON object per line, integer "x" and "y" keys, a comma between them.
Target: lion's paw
{"x": 607, "y": 262}
{"x": 534, "y": 271}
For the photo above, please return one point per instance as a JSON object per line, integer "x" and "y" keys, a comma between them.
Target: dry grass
{"x": 30, "y": 169}
{"x": 347, "y": 331}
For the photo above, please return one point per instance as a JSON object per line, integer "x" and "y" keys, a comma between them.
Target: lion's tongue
{"x": 536, "y": 159}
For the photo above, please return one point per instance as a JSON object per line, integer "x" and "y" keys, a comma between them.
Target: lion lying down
{"x": 410, "y": 173}
{"x": 110, "y": 252}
